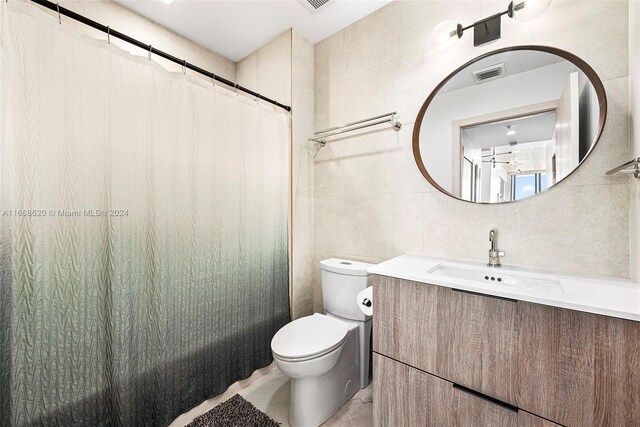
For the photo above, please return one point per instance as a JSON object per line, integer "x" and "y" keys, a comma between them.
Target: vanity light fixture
{"x": 488, "y": 29}
{"x": 441, "y": 37}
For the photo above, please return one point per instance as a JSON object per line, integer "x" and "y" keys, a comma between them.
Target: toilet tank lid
{"x": 345, "y": 266}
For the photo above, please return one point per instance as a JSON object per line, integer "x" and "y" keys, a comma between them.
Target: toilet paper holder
{"x": 365, "y": 301}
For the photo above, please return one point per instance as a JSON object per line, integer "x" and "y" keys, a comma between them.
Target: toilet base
{"x": 315, "y": 399}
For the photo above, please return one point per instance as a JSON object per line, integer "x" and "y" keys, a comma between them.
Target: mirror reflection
{"x": 510, "y": 125}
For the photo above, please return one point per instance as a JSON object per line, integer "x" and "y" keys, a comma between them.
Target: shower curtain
{"x": 143, "y": 232}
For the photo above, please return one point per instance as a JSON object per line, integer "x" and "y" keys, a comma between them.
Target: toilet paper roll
{"x": 365, "y": 301}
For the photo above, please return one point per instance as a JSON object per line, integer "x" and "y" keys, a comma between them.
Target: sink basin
{"x": 495, "y": 276}
{"x": 607, "y": 296}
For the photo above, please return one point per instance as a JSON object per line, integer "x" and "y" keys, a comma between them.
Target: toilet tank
{"x": 342, "y": 280}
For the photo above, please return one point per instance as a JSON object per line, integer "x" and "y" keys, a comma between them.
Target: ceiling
{"x": 515, "y": 62}
{"x": 525, "y": 158}
{"x": 236, "y": 28}
{"x": 537, "y": 127}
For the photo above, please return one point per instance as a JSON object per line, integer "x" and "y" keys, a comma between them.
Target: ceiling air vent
{"x": 490, "y": 73}
{"x": 315, "y": 6}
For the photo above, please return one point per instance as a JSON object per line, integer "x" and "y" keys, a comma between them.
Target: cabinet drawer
{"x": 466, "y": 338}
{"x": 405, "y": 322}
{"x": 407, "y": 397}
{"x": 578, "y": 369}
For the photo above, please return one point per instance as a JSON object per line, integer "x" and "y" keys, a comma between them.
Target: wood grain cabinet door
{"x": 465, "y": 338}
{"x": 477, "y": 341}
{"x": 405, "y": 321}
{"x": 578, "y": 369}
{"x": 405, "y": 396}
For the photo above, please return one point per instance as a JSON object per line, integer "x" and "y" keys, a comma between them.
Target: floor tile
{"x": 271, "y": 391}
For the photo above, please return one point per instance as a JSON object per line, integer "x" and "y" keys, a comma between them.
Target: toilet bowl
{"x": 327, "y": 355}
{"x": 309, "y": 346}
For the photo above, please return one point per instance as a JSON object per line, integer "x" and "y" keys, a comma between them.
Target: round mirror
{"x": 509, "y": 124}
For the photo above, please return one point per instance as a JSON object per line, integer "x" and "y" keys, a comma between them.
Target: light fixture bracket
{"x": 487, "y": 30}
{"x": 513, "y": 8}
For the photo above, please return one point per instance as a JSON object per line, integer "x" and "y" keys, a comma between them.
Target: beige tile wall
{"x": 121, "y": 19}
{"x": 283, "y": 69}
{"x": 371, "y": 203}
{"x": 303, "y": 174}
{"x": 634, "y": 74}
{"x": 268, "y": 69}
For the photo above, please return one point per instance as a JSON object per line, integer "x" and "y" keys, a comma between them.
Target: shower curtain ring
{"x": 213, "y": 79}
{"x": 236, "y": 87}
{"x": 59, "y": 18}
{"x": 150, "y": 48}
{"x": 258, "y": 99}
{"x": 184, "y": 67}
{"x": 108, "y": 35}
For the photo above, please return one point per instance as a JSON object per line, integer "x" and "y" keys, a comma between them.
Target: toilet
{"x": 327, "y": 355}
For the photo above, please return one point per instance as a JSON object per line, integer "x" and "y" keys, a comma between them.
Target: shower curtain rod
{"x": 152, "y": 50}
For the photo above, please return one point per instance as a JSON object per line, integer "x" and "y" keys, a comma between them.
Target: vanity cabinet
{"x": 445, "y": 357}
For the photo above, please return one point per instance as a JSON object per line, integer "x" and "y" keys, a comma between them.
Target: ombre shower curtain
{"x": 143, "y": 232}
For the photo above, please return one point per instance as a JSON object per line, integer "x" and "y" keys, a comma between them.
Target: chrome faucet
{"x": 494, "y": 252}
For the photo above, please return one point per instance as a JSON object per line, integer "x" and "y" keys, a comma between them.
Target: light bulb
{"x": 444, "y": 36}
{"x": 526, "y": 10}
{"x": 511, "y": 132}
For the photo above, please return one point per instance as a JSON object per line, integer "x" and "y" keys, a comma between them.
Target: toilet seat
{"x": 309, "y": 337}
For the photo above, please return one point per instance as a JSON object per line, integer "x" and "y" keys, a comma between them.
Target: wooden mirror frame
{"x": 578, "y": 62}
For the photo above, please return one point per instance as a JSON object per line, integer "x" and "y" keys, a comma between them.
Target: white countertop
{"x": 592, "y": 294}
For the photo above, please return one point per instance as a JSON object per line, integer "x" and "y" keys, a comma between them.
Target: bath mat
{"x": 234, "y": 412}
